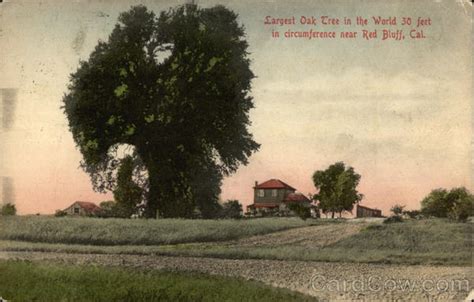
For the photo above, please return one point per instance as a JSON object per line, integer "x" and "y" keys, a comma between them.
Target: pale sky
{"x": 399, "y": 112}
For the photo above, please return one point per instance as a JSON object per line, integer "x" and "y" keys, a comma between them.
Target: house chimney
{"x": 256, "y": 183}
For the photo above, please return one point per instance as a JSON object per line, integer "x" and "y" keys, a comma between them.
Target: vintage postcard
{"x": 206, "y": 150}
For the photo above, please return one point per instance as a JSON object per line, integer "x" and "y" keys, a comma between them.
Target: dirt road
{"x": 309, "y": 237}
{"x": 328, "y": 281}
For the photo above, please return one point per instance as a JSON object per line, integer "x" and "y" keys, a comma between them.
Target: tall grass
{"x": 413, "y": 242}
{"x": 420, "y": 236}
{"x": 94, "y": 231}
{"x": 20, "y": 281}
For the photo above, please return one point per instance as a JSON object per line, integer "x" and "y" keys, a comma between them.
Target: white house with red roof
{"x": 275, "y": 195}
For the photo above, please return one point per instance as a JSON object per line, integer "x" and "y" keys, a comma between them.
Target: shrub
{"x": 374, "y": 227}
{"x": 300, "y": 210}
{"x": 231, "y": 209}
{"x": 414, "y": 214}
{"x": 60, "y": 213}
{"x": 397, "y": 209}
{"x": 8, "y": 210}
{"x": 393, "y": 219}
{"x": 461, "y": 210}
{"x": 114, "y": 209}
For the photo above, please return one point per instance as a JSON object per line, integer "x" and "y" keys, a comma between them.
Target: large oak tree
{"x": 176, "y": 88}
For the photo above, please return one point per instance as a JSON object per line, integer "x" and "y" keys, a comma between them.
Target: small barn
{"x": 362, "y": 211}
{"x": 82, "y": 208}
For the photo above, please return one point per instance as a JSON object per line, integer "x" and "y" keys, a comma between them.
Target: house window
{"x": 274, "y": 193}
{"x": 76, "y": 210}
{"x": 261, "y": 193}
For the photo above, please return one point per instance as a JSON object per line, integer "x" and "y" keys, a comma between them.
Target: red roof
{"x": 274, "y": 184}
{"x": 296, "y": 197}
{"x": 88, "y": 206}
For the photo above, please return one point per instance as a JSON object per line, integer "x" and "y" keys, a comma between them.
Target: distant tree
{"x": 397, "y": 209}
{"x": 337, "y": 188}
{"x": 231, "y": 209}
{"x": 8, "y": 210}
{"x": 436, "y": 203}
{"x": 462, "y": 203}
{"x": 458, "y": 203}
{"x": 300, "y": 210}
{"x": 177, "y": 88}
{"x": 127, "y": 194}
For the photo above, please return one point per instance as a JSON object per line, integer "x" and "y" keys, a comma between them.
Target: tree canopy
{"x": 457, "y": 203}
{"x": 337, "y": 188}
{"x": 176, "y": 87}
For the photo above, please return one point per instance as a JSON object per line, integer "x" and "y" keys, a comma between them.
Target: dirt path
{"x": 310, "y": 237}
{"x": 328, "y": 281}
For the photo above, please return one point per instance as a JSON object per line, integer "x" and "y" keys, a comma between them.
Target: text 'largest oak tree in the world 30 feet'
{"x": 176, "y": 87}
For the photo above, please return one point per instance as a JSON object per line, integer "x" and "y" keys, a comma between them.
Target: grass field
{"x": 431, "y": 241}
{"x": 95, "y": 231}
{"x": 22, "y": 281}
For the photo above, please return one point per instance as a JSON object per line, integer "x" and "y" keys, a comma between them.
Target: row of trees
{"x": 337, "y": 187}
{"x": 456, "y": 204}
{"x": 337, "y": 193}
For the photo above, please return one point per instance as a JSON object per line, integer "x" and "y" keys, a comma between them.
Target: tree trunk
{"x": 153, "y": 197}
{"x": 332, "y": 215}
{"x": 168, "y": 193}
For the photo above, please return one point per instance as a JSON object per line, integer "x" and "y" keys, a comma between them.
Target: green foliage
{"x": 60, "y": 213}
{"x": 337, "y": 188}
{"x": 458, "y": 203}
{"x": 414, "y": 214}
{"x": 127, "y": 194}
{"x": 300, "y": 210}
{"x": 186, "y": 114}
{"x": 462, "y": 209}
{"x": 23, "y": 281}
{"x": 231, "y": 209}
{"x": 8, "y": 210}
{"x": 114, "y": 231}
{"x": 393, "y": 219}
{"x": 397, "y": 209}
{"x": 108, "y": 209}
